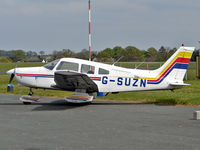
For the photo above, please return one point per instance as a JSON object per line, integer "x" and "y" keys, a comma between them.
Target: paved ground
{"x": 53, "y": 124}
{"x": 3, "y": 72}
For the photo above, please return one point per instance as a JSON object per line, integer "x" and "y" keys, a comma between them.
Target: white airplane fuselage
{"x": 118, "y": 80}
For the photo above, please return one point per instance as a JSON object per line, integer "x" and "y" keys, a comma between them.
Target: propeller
{"x": 10, "y": 86}
{"x": 11, "y": 78}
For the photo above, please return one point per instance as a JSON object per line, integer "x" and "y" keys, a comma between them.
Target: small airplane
{"x": 86, "y": 78}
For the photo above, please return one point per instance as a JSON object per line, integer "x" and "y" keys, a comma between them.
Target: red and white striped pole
{"x": 90, "y": 43}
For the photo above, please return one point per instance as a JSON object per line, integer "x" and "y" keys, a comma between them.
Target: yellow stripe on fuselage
{"x": 180, "y": 54}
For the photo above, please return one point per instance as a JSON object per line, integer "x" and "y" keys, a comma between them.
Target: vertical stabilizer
{"x": 175, "y": 67}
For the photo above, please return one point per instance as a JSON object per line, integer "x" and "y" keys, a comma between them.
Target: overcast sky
{"x": 57, "y": 24}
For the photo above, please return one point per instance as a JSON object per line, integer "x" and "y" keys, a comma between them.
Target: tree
{"x": 145, "y": 54}
{"x": 42, "y": 53}
{"x": 106, "y": 54}
{"x": 30, "y": 54}
{"x": 118, "y": 50}
{"x": 56, "y": 55}
{"x": 171, "y": 52}
{"x": 93, "y": 54}
{"x": 67, "y": 53}
{"x": 61, "y": 54}
{"x": 195, "y": 54}
{"x": 5, "y": 53}
{"x": 5, "y": 59}
{"x": 152, "y": 53}
{"x": 18, "y": 55}
{"x": 84, "y": 54}
{"x": 132, "y": 53}
{"x": 162, "y": 54}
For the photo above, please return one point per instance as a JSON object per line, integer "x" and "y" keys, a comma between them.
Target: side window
{"x": 103, "y": 71}
{"x": 67, "y": 66}
{"x": 87, "y": 69}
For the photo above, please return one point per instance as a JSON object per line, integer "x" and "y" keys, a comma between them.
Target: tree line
{"x": 127, "y": 54}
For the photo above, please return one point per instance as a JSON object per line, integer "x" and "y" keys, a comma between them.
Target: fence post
{"x": 197, "y": 67}
{"x": 186, "y": 75}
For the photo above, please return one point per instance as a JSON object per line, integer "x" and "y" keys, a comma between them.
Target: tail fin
{"x": 174, "y": 69}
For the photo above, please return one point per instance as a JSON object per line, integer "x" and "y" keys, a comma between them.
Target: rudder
{"x": 174, "y": 69}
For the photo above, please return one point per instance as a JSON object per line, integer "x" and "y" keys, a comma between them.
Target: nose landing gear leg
{"x": 30, "y": 93}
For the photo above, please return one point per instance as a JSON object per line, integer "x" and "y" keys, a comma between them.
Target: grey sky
{"x": 57, "y": 24}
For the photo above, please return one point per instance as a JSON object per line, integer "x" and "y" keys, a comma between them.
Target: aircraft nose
{"x": 10, "y": 71}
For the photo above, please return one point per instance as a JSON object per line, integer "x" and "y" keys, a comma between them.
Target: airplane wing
{"x": 71, "y": 81}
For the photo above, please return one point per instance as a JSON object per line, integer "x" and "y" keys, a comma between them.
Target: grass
{"x": 8, "y": 66}
{"x": 188, "y": 95}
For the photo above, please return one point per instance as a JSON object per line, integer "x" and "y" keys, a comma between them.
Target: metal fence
{"x": 190, "y": 75}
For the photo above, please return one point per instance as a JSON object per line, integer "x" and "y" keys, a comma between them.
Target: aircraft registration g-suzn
{"x": 87, "y": 78}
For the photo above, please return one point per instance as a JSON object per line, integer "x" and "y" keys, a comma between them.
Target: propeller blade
{"x": 10, "y": 87}
{"x": 11, "y": 77}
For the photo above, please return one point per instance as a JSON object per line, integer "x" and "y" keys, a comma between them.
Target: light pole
{"x": 90, "y": 43}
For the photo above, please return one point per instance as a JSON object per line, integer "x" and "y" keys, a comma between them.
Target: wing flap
{"x": 71, "y": 81}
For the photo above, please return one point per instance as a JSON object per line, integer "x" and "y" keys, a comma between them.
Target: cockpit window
{"x": 103, "y": 71}
{"x": 67, "y": 66}
{"x": 52, "y": 64}
{"x": 87, "y": 69}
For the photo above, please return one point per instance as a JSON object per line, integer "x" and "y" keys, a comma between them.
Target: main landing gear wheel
{"x": 79, "y": 98}
{"x": 27, "y": 103}
{"x": 30, "y": 93}
{"x": 28, "y": 99}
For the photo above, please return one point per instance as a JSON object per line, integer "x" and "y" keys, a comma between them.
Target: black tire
{"x": 26, "y": 103}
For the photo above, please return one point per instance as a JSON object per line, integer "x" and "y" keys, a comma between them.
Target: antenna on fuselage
{"x": 140, "y": 64}
{"x": 117, "y": 60}
{"x": 90, "y": 39}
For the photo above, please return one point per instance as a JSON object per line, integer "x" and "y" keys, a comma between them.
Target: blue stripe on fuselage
{"x": 176, "y": 66}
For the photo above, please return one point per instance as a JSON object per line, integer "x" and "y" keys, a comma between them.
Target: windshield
{"x": 52, "y": 64}
{"x": 67, "y": 66}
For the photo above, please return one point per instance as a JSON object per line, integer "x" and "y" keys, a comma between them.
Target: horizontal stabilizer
{"x": 178, "y": 84}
